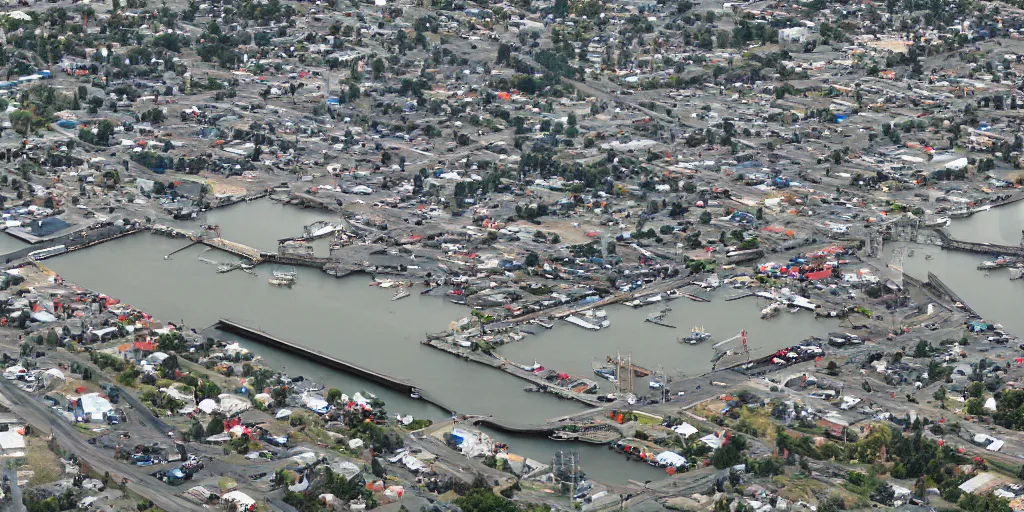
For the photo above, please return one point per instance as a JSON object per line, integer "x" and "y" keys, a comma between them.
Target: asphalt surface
{"x": 16, "y": 503}
{"x": 41, "y": 417}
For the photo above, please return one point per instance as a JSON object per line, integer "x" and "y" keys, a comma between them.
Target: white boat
{"x": 1016, "y": 273}
{"x": 281, "y": 282}
{"x": 400, "y": 294}
{"x": 771, "y": 310}
{"x": 415, "y": 393}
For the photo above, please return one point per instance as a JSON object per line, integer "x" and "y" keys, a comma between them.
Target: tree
{"x": 484, "y": 500}
{"x": 21, "y": 121}
{"x": 832, "y": 368}
{"x": 532, "y": 259}
{"x": 333, "y": 395}
{"x": 504, "y": 53}
{"x": 705, "y": 217}
{"x": 104, "y": 131}
{"x": 377, "y": 67}
{"x": 377, "y": 468}
{"x": 921, "y": 350}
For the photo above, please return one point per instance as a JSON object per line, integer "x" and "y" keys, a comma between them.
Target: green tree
{"x": 333, "y": 395}
{"x": 484, "y": 500}
{"x": 705, "y": 217}
{"x": 21, "y": 121}
{"x": 532, "y": 259}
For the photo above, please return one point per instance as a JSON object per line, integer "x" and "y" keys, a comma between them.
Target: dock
{"x": 577, "y": 321}
{"x": 695, "y": 298}
{"x": 739, "y": 296}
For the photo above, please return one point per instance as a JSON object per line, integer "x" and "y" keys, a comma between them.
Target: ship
{"x": 1016, "y": 273}
{"x": 400, "y": 294}
{"x": 696, "y": 336}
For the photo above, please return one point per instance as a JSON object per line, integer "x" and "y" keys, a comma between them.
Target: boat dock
{"x": 577, "y": 321}
{"x": 739, "y": 296}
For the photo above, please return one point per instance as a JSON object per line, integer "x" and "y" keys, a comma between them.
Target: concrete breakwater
{"x": 948, "y": 242}
{"x": 318, "y": 357}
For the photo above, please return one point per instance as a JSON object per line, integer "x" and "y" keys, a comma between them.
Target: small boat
{"x": 400, "y": 294}
{"x": 1016, "y": 273}
{"x": 910, "y": 253}
{"x": 281, "y": 282}
{"x": 771, "y": 310}
{"x": 415, "y": 393}
{"x": 696, "y": 336}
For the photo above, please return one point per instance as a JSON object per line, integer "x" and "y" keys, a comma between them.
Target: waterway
{"x": 350, "y": 320}
{"x": 1000, "y": 225}
{"x": 571, "y": 349}
{"x": 995, "y": 297}
{"x": 10, "y": 244}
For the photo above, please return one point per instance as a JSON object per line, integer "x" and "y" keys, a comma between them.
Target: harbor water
{"x": 347, "y": 319}
{"x": 1000, "y": 225}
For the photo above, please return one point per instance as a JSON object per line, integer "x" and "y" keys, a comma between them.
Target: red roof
{"x": 147, "y": 346}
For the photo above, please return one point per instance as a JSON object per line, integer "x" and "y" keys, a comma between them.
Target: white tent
{"x": 51, "y": 374}
{"x": 685, "y": 430}
{"x": 207, "y": 406}
{"x": 283, "y": 413}
{"x": 672, "y": 459}
{"x": 242, "y": 499}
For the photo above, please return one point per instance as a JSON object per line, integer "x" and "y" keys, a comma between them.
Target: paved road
{"x": 44, "y": 419}
{"x": 16, "y": 503}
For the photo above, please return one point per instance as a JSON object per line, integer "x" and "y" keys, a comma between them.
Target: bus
{"x": 42, "y": 254}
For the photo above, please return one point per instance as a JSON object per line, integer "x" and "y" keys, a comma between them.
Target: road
{"x": 41, "y": 417}
{"x": 16, "y": 503}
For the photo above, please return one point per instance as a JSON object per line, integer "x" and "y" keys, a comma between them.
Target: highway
{"x": 44, "y": 419}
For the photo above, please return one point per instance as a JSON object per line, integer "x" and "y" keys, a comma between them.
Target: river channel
{"x": 350, "y": 320}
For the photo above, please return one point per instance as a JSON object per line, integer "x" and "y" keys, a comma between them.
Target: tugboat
{"x": 696, "y": 336}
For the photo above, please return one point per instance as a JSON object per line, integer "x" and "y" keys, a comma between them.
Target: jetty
{"x": 950, "y": 243}
{"x": 316, "y": 356}
{"x": 659, "y": 318}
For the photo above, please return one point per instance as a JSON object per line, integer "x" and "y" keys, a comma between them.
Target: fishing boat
{"x": 772, "y": 310}
{"x": 415, "y": 393}
{"x": 606, "y": 372}
{"x": 938, "y": 222}
{"x": 281, "y": 282}
{"x": 285, "y": 274}
{"x": 1016, "y": 273}
{"x": 400, "y": 294}
{"x": 697, "y": 335}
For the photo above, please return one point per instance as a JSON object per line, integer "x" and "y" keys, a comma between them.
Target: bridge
{"x": 951, "y": 243}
